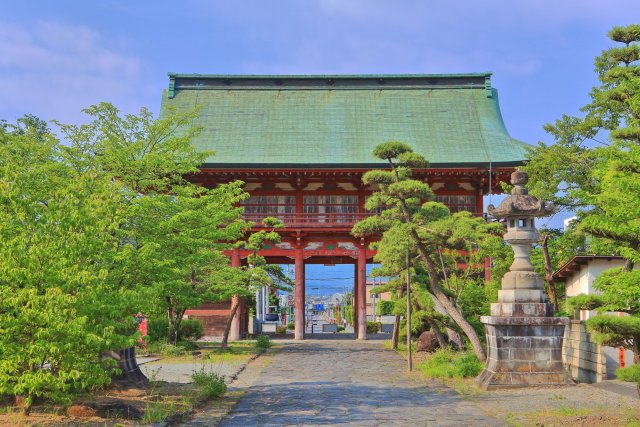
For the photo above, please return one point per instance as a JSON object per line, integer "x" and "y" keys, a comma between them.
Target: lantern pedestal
{"x": 524, "y": 340}
{"x": 523, "y": 351}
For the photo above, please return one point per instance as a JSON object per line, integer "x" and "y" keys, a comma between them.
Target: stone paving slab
{"x": 352, "y": 383}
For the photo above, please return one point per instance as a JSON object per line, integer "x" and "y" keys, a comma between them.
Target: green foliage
{"x": 157, "y": 329}
{"x": 593, "y": 168}
{"x": 47, "y": 349}
{"x": 616, "y": 331}
{"x": 94, "y": 230}
{"x": 620, "y": 290}
{"x": 156, "y": 411}
{"x": 263, "y": 342}
{"x": 168, "y": 349}
{"x": 191, "y": 329}
{"x": 340, "y": 328}
{"x": 413, "y": 225}
{"x": 446, "y": 363}
{"x": 629, "y": 373}
{"x": 583, "y": 302}
{"x": 384, "y": 308}
{"x": 291, "y": 326}
{"x": 390, "y": 150}
{"x": 373, "y": 327}
{"x": 209, "y": 384}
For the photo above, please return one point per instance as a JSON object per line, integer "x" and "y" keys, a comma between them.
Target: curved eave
{"x": 290, "y": 166}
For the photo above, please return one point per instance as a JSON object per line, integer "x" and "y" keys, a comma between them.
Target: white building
{"x": 578, "y": 275}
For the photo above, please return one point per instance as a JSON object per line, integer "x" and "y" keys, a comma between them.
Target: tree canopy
{"x": 410, "y": 222}
{"x": 594, "y": 169}
{"x": 94, "y": 229}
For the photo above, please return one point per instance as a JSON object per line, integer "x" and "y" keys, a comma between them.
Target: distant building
{"x": 578, "y": 275}
{"x": 581, "y": 271}
{"x": 372, "y": 300}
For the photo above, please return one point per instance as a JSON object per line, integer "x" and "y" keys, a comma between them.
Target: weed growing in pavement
{"x": 209, "y": 384}
{"x": 263, "y": 342}
{"x": 558, "y": 397}
{"x": 157, "y": 410}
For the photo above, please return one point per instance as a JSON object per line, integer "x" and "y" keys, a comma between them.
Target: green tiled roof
{"x": 337, "y": 120}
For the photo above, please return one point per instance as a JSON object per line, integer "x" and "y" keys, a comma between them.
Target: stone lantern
{"x": 524, "y": 340}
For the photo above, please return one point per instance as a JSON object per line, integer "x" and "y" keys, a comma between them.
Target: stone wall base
{"x": 523, "y": 352}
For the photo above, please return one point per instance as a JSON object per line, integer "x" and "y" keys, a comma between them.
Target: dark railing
{"x": 310, "y": 220}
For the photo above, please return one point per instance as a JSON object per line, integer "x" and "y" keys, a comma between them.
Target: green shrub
{"x": 191, "y": 329}
{"x": 167, "y": 349}
{"x": 157, "y": 329}
{"x": 263, "y": 342}
{"x": 385, "y": 308}
{"x": 340, "y": 328}
{"x": 209, "y": 384}
{"x": 373, "y": 327}
{"x": 446, "y": 363}
{"x": 281, "y": 329}
{"x": 291, "y": 326}
{"x": 630, "y": 373}
{"x": 157, "y": 411}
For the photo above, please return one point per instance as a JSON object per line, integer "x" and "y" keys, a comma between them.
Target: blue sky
{"x": 57, "y": 57}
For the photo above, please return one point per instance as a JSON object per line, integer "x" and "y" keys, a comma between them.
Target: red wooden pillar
{"x": 355, "y": 299}
{"x": 299, "y": 294}
{"x": 362, "y": 293}
{"x": 234, "y": 333}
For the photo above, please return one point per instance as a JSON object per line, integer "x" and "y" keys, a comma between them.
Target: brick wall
{"x": 583, "y": 359}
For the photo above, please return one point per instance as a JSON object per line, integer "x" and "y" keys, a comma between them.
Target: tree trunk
{"x": 25, "y": 404}
{"x": 442, "y": 341}
{"x": 455, "y": 338}
{"x": 548, "y": 271}
{"x": 396, "y": 332}
{"x": 451, "y": 309}
{"x": 227, "y": 328}
{"x": 396, "y": 327}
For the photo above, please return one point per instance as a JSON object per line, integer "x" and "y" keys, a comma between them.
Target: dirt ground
{"x": 170, "y": 394}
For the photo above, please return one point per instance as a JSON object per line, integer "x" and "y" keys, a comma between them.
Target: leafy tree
{"x": 59, "y": 308}
{"x": 176, "y": 249}
{"x": 174, "y": 231}
{"x": 555, "y": 248}
{"x": 91, "y": 232}
{"x": 594, "y": 167}
{"x": 243, "y": 281}
{"x": 426, "y": 230}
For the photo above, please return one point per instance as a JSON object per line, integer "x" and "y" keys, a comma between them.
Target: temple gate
{"x": 302, "y": 143}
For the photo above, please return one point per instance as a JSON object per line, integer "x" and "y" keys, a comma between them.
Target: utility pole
{"x": 409, "y": 360}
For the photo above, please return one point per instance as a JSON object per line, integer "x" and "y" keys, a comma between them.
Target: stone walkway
{"x": 332, "y": 382}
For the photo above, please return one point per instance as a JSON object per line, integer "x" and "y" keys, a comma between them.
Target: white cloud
{"x": 54, "y": 70}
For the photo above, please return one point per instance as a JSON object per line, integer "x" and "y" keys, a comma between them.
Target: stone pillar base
{"x": 523, "y": 352}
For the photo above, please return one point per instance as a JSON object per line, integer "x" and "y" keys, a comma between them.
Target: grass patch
{"x": 630, "y": 373}
{"x": 263, "y": 342}
{"x": 209, "y": 384}
{"x": 446, "y": 363}
{"x": 158, "y": 410}
{"x": 572, "y": 411}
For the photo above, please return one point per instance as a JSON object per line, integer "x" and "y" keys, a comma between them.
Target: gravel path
{"x": 346, "y": 383}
